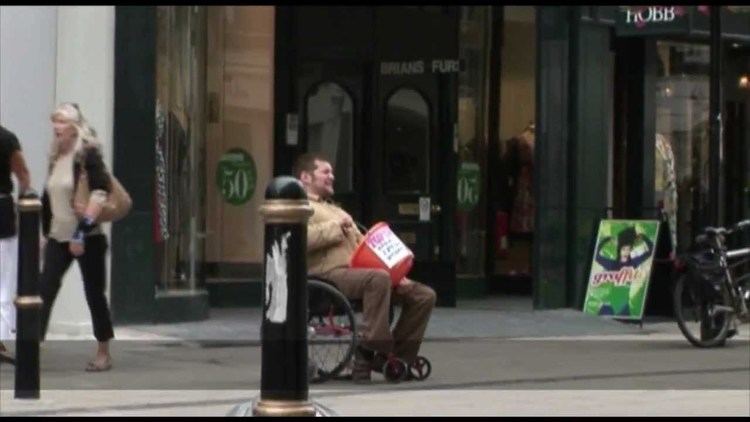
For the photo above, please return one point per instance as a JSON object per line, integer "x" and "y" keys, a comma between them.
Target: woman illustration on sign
{"x": 626, "y": 240}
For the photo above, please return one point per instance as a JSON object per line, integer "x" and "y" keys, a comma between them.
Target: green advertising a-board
{"x": 236, "y": 176}
{"x": 468, "y": 186}
{"x": 621, "y": 268}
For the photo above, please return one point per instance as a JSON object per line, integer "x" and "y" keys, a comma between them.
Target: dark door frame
{"x": 289, "y": 59}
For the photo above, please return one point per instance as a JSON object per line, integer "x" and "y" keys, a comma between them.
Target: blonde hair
{"x": 71, "y": 113}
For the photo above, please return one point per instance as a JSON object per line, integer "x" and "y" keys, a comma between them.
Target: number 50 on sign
{"x": 236, "y": 176}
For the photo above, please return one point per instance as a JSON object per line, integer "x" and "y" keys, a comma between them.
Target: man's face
{"x": 320, "y": 182}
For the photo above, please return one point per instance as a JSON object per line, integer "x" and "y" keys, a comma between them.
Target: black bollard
{"x": 28, "y": 303}
{"x": 284, "y": 377}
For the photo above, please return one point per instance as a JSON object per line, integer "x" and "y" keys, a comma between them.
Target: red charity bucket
{"x": 382, "y": 249}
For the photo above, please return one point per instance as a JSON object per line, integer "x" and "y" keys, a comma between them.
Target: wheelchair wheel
{"x": 395, "y": 369}
{"x": 420, "y": 369}
{"x": 331, "y": 331}
{"x": 703, "y": 310}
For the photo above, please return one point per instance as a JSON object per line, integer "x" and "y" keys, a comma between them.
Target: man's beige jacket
{"x": 328, "y": 246}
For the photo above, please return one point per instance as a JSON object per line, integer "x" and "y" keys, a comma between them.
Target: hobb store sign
{"x": 646, "y": 20}
{"x": 681, "y": 21}
{"x": 640, "y": 17}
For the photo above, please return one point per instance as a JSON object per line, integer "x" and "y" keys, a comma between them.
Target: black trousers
{"x": 57, "y": 260}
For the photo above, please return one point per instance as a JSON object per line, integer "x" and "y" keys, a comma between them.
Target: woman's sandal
{"x": 92, "y": 366}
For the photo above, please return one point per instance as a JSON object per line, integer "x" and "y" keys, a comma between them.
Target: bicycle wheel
{"x": 703, "y": 310}
{"x": 331, "y": 329}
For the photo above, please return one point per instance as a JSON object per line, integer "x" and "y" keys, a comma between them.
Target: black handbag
{"x": 7, "y": 217}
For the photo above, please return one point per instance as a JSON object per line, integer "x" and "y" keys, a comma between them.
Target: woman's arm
{"x": 99, "y": 184}
{"x": 601, "y": 260}
{"x": 18, "y": 167}
{"x": 640, "y": 259}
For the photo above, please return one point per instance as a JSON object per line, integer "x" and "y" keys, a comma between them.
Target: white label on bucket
{"x": 276, "y": 281}
{"x": 387, "y": 246}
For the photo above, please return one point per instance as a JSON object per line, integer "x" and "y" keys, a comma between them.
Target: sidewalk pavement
{"x": 496, "y": 356}
{"x": 494, "y": 317}
{"x": 396, "y": 403}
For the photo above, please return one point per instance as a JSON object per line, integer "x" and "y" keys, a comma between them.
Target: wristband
{"x": 77, "y": 236}
{"x": 86, "y": 225}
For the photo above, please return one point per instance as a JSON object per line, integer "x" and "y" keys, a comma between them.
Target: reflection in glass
{"x": 330, "y": 130}
{"x": 682, "y": 138}
{"x": 180, "y": 80}
{"x": 407, "y": 135}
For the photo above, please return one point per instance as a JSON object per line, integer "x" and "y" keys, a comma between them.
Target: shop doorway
{"x": 388, "y": 152}
{"x": 388, "y": 128}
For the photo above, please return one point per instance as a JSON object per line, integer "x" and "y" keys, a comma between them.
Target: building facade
{"x": 492, "y": 139}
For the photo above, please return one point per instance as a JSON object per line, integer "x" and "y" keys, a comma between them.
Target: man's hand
{"x": 346, "y": 222}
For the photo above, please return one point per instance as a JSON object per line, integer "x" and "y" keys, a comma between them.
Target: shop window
{"x": 407, "y": 139}
{"x": 180, "y": 95}
{"x": 330, "y": 130}
{"x": 474, "y": 51}
{"x": 514, "y": 220}
{"x": 682, "y": 138}
{"x": 239, "y": 138}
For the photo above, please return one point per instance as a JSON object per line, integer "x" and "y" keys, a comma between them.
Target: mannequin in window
{"x": 666, "y": 184}
{"x": 520, "y": 161}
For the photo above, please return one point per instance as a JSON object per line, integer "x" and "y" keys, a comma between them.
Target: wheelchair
{"x": 332, "y": 337}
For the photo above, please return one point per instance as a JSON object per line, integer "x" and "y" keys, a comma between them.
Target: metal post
{"x": 284, "y": 382}
{"x": 28, "y": 302}
{"x": 715, "y": 121}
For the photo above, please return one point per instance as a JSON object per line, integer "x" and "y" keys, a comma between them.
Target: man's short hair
{"x": 306, "y": 162}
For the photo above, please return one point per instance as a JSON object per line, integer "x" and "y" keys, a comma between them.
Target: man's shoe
{"x": 378, "y": 361}
{"x": 731, "y": 332}
{"x": 361, "y": 371}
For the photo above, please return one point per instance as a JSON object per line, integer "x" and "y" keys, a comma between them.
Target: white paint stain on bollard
{"x": 277, "y": 292}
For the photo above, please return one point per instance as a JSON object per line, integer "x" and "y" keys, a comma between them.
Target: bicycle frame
{"x": 733, "y": 285}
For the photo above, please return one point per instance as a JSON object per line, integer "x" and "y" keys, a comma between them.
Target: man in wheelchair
{"x": 332, "y": 237}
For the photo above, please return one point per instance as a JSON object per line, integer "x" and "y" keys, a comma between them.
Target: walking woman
{"x": 71, "y": 229}
{"x": 11, "y": 161}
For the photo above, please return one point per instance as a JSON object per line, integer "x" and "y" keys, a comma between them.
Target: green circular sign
{"x": 468, "y": 186}
{"x": 236, "y": 176}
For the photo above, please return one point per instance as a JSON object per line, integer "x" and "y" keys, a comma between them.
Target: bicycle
{"x": 708, "y": 298}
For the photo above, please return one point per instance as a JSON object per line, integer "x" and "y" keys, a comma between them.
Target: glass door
{"x": 682, "y": 138}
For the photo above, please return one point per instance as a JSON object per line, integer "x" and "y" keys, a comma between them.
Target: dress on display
{"x": 522, "y": 212}
{"x": 666, "y": 184}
